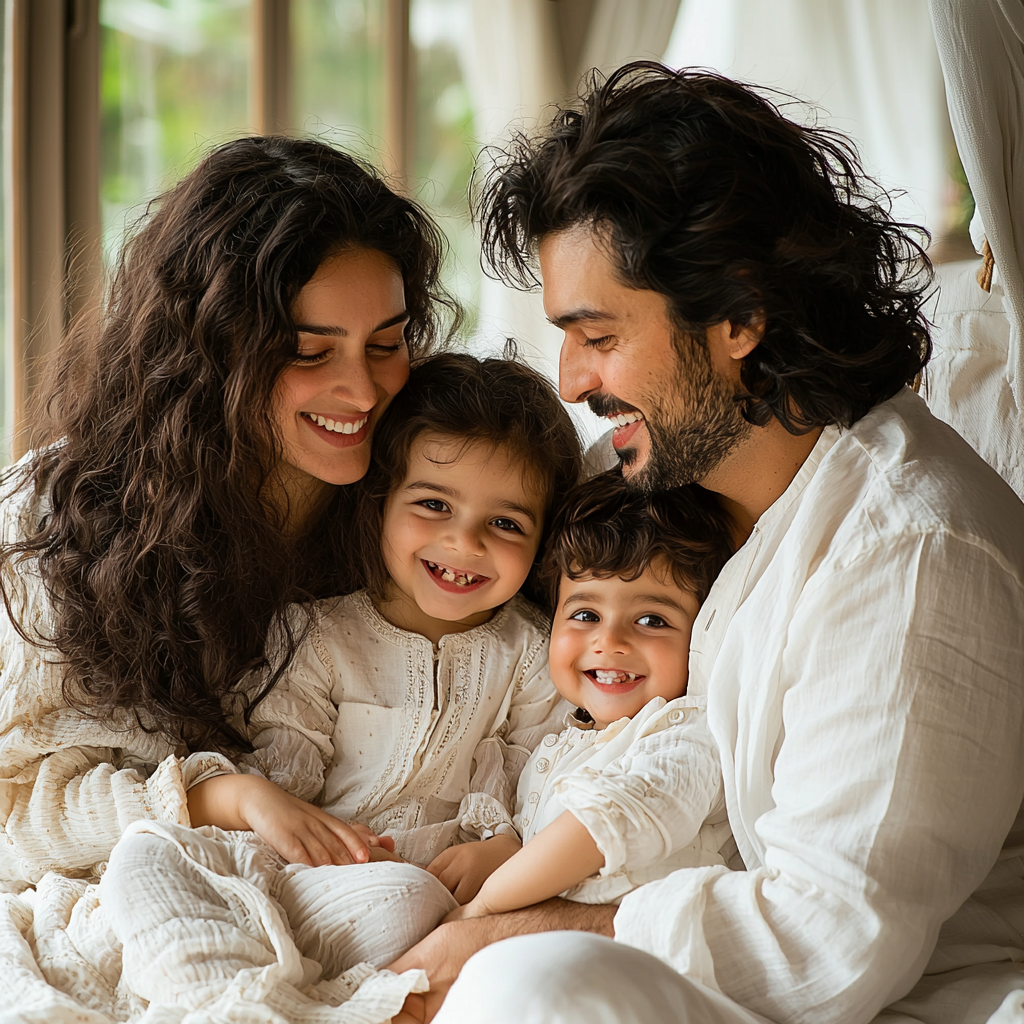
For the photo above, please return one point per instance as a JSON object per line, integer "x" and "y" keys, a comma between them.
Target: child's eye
{"x": 509, "y": 525}
{"x": 655, "y": 621}
{"x": 585, "y": 615}
{"x": 433, "y": 504}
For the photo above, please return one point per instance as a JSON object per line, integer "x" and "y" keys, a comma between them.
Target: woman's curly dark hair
{"x": 709, "y": 196}
{"x": 607, "y": 528}
{"x": 500, "y": 402}
{"x": 165, "y": 568}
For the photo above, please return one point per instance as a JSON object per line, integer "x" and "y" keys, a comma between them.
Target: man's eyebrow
{"x": 582, "y": 316}
{"x": 334, "y": 331}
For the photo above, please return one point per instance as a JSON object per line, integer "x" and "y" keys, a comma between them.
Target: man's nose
{"x": 577, "y": 374}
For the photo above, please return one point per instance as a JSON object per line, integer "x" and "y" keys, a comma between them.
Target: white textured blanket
{"x": 61, "y": 956}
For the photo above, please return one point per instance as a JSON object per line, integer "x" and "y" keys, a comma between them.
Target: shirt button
{"x": 550, "y": 740}
{"x": 675, "y": 715}
{"x": 533, "y": 798}
{"x": 543, "y": 764}
{"x": 526, "y": 821}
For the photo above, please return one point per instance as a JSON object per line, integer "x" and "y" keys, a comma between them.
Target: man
{"x": 748, "y": 318}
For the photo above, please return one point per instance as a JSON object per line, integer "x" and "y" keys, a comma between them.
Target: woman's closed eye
{"x": 313, "y": 358}
{"x": 384, "y": 348}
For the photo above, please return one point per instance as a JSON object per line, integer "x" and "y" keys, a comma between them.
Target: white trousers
{"x": 578, "y": 978}
{"x": 570, "y": 977}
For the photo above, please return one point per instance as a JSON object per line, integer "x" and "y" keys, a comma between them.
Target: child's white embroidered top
{"x": 648, "y": 790}
{"x": 422, "y": 744}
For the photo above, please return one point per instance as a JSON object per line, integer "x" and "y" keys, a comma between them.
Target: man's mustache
{"x": 608, "y": 405}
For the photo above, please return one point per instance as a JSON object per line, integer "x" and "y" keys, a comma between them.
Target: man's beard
{"x": 694, "y": 426}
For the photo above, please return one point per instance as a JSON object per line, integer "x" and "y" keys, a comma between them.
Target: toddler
{"x": 407, "y": 712}
{"x": 631, "y": 790}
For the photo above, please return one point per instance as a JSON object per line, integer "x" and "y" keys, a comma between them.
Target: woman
{"x": 256, "y": 328}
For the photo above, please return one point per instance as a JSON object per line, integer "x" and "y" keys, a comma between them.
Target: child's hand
{"x": 464, "y": 868}
{"x": 298, "y": 831}
{"x": 474, "y": 908}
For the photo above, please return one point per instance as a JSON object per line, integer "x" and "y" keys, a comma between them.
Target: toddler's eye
{"x": 433, "y": 504}
{"x": 655, "y": 621}
{"x": 509, "y": 525}
{"x": 585, "y": 615}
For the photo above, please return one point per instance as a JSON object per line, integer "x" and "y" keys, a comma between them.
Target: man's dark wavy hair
{"x": 607, "y": 528}
{"x": 709, "y": 196}
{"x": 166, "y": 569}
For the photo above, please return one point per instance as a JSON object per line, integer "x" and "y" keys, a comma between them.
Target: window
{"x": 114, "y": 100}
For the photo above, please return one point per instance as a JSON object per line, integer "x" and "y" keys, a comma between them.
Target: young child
{"x": 631, "y": 790}
{"x": 408, "y": 710}
{"x": 431, "y": 684}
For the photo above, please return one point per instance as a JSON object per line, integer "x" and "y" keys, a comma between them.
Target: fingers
{"x": 437, "y": 866}
{"x": 357, "y": 848}
{"x": 467, "y": 888}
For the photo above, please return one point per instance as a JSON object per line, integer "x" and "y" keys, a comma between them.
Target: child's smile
{"x": 616, "y": 644}
{"x": 454, "y": 580}
{"x": 460, "y": 534}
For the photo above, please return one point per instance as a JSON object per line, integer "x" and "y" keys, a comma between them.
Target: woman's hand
{"x": 298, "y": 831}
{"x": 462, "y": 869}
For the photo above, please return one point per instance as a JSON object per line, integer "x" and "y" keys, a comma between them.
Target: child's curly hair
{"x": 604, "y": 528}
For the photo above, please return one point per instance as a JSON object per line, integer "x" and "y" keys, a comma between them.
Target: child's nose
{"x": 465, "y": 538}
{"x": 610, "y": 640}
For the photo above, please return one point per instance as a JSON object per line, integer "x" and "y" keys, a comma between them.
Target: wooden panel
{"x": 398, "y": 84}
{"x": 270, "y": 92}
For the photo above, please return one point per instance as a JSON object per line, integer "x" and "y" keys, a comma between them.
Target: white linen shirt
{"x": 863, "y": 656}
{"x": 648, "y": 789}
{"x": 420, "y": 743}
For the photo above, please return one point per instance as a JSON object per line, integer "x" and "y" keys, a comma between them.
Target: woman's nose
{"x": 353, "y": 382}
{"x": 577, "y": 373}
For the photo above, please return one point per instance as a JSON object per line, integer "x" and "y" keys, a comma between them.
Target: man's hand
{"x": 298, "y": 831}
{"x": 462, "y": 869}
{"x": 445, "y": 950}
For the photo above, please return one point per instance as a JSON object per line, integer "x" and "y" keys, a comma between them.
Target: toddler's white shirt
{"x": 648, "y": 790}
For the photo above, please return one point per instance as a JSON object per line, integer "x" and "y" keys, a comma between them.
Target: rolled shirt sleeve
{"x": 651, "y": 801}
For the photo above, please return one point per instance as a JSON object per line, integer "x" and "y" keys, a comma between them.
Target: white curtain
{"x": 976, "y": 378}
{"x": 623, "y": 31}
{"x": 515, "y": 71}
{"x": 870, "y": 65}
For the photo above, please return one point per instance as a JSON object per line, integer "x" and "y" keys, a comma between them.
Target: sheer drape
{"x": 516, "y": 70}
{"x": 870, "y": 65}
{"x": 981, "y": 47}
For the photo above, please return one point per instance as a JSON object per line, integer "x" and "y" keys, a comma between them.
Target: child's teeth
{"x": 448, "y": 576}
{"x": 608, "y": 677}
